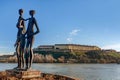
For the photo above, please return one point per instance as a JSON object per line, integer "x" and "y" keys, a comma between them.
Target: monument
{"x": 20, "y": 71}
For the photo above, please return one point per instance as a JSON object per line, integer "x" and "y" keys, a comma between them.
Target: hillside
{"x": 79, "y": 54}
{"x": 69, "y": 54}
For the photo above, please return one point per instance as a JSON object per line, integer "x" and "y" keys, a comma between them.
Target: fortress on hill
{"x": 66, "y": 48}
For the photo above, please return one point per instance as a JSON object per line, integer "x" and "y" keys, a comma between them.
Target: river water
{"x": 81, "y": 71}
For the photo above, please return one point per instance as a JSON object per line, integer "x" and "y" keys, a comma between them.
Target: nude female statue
{"x": 20, "y": 42}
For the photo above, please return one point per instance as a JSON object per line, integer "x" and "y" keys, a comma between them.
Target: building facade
{"x": 66, "y": 48}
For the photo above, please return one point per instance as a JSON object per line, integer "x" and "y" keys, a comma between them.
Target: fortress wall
{"x": 46, "y": 47}
{"x": 82, "y": 48}
{"x": 67, "y": 47}
{"x": 76, "y": 47}
{"x": 61, "y": 47}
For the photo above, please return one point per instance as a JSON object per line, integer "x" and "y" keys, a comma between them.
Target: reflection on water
{"x": 82, "y": 71}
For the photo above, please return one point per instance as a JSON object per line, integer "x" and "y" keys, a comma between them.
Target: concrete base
{"x": 23, "y": 74}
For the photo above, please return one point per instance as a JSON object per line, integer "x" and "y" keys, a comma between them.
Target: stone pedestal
{"x": 22, "y": 74}
{"x": 30, "y": 75}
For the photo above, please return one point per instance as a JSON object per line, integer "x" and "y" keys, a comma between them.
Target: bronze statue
{"x": 20, "y": 42}
{"x": 30, "y": 38}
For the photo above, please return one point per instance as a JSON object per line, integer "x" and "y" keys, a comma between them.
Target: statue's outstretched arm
{"x": 26, "y": 19}
{"x": 36, "y": 25}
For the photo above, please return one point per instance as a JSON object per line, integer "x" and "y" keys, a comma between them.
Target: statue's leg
{"x": 26, "y": 58}
{"x": 18, "y": 54}
{"x": 17, "y": 57}
{"x": 31, "y": 57}
{"x": 26, "y": 62}
{"x": 22, "y": 55}
{"x": 20, "y": 58}
{"x": 23, "y": 58}
{"x": 22, "y": 51}
{"x": 27, "y": 54}
{"x": 31, "y": 52}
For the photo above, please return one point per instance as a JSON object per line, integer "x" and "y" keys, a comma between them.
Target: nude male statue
{"x": 30, "y": 38}
{"x": 20, "y": 42}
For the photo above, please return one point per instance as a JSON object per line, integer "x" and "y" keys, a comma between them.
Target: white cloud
{"x": 74, "y": 32}
{"x": 113, "y": 46}
{"x": 69, "y": 40}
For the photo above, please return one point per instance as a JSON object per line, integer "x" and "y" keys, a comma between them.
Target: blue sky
{"x": 86, "y": 22}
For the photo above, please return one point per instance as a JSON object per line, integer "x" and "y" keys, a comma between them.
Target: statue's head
{"x": 20, "y": 11}
{"x": 32, "y": 12}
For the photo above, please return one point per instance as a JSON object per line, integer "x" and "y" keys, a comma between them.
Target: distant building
{"x": 66, "y": 48}
{"x": 109, "y": 50}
